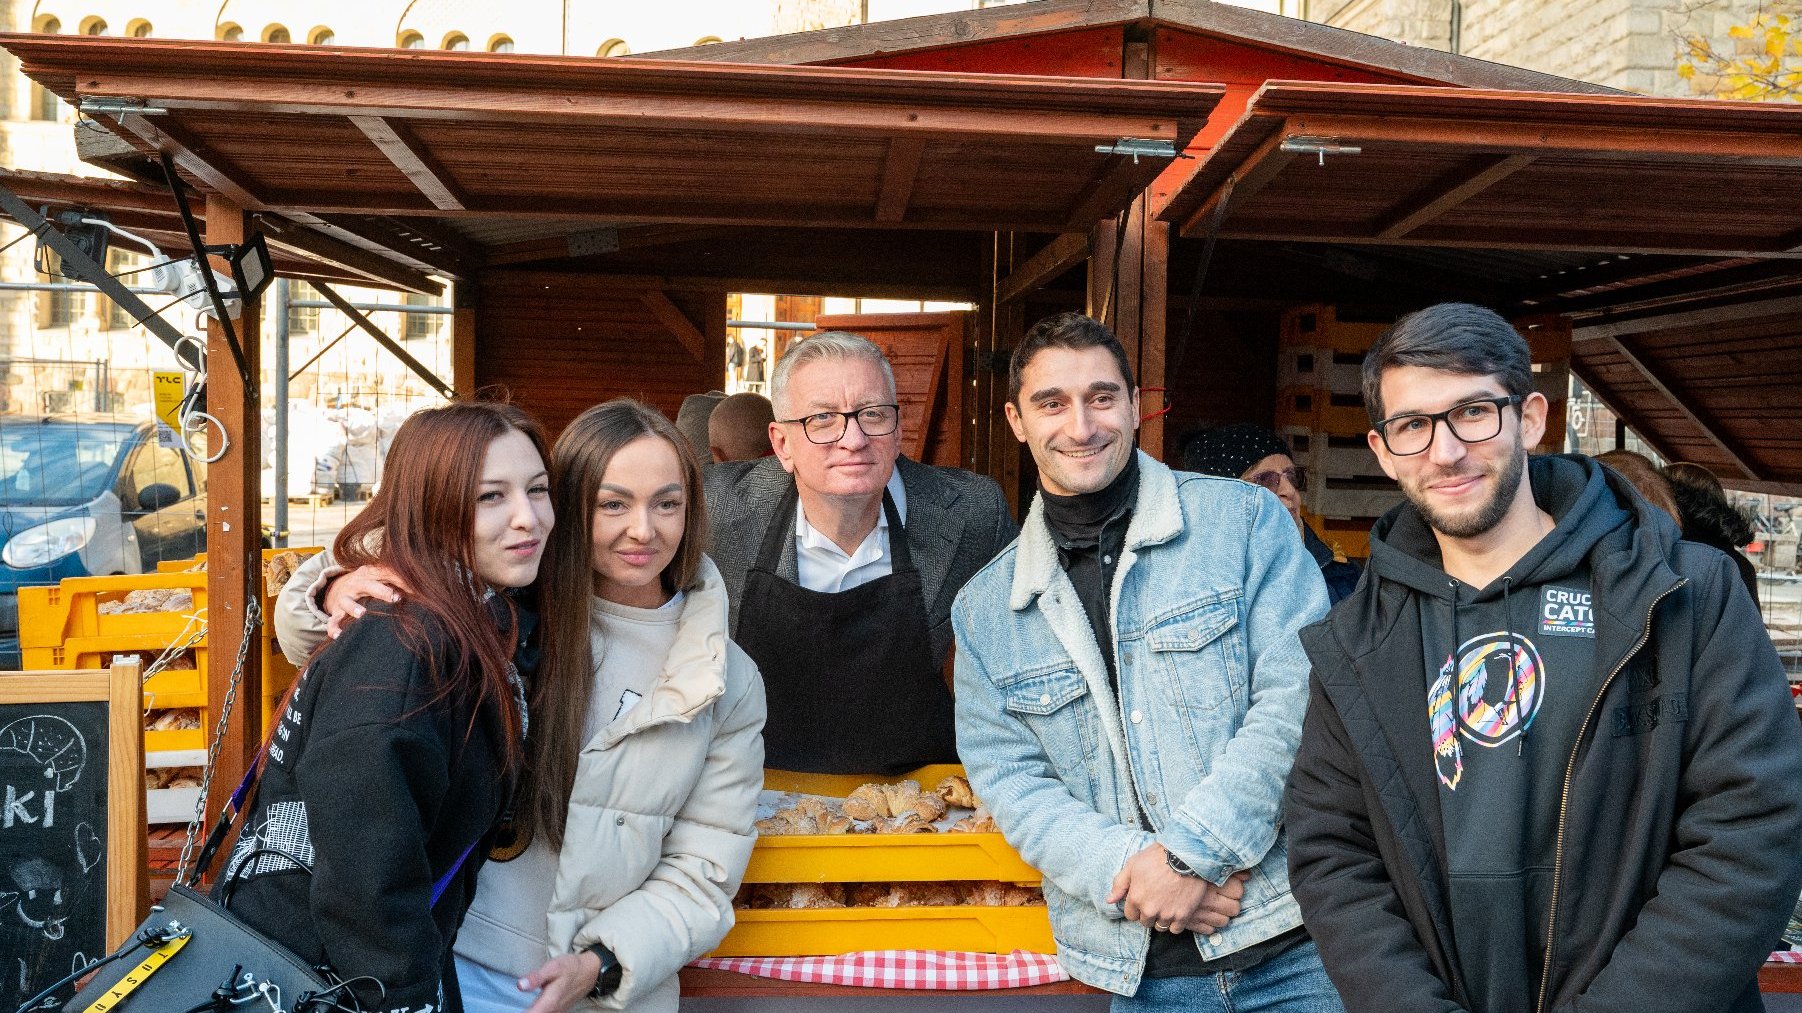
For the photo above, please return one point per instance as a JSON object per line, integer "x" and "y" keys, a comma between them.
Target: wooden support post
{"x": 463, "y": 338}
{"x": 234, "y": 523}
{"x": 713, "y": 330}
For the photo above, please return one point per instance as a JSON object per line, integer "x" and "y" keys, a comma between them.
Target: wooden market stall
{"x": 1199, "y": 175}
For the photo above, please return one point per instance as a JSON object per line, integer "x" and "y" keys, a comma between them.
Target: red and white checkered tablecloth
{"x": 922, "y": 969}
{"x": 1786, "y": 957}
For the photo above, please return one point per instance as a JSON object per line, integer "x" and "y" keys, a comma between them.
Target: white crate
{"x": 1324, "y": 456}
{"x": 1331, "y": 497}
{"x": 170, "y": 805}
{"x": 1321, "y": 368}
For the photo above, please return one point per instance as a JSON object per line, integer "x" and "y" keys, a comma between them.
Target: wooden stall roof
{"x": 1697, "y": 354}
{"x": 312, "y": 132}
{"x": 1405, "y": 165}
{"x": 149, "y": 211}
{"x": 1713, "y": 385}
{"x": 856, "y": 44}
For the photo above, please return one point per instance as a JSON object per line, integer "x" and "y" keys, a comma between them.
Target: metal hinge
{"x": 94, "y": 105}
{"x": 1136, "y": 147}
{"x": 1321, "y": 146}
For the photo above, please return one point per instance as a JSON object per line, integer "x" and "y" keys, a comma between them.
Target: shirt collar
{"x": 810, "y": 537}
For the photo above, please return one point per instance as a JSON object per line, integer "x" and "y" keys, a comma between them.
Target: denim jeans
{"x": 1290, "y": 982}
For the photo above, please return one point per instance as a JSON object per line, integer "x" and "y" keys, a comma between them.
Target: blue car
{"x": 89, "y": 495}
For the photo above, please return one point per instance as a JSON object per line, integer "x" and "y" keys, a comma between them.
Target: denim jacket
{"x": 1210, "y": 592}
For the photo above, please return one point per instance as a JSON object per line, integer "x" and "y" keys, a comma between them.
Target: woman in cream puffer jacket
{"x": 648, "y": 715}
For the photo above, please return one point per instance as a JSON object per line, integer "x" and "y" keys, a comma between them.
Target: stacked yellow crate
{"x": 85, "y": 622}
{"x": 1320, "y": 413}
{"x": 943, "y": 858}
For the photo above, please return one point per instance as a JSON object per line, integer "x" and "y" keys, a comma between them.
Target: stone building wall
{"x": 1634, "y": 45}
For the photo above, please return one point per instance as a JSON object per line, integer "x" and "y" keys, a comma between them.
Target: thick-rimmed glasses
{"x": 1470, "y": 421}
{"x": 830, "y": 427}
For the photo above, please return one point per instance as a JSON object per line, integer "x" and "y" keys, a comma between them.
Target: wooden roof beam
{"x": 1058, "y": 256}
{"x": 299, "y": 239}
{"x": 1051, "y": 112}
{"x": 1696, "y": 415}
{"x": 1255, "y": 173}
{"x": 1525, "y": 135}
{"x": 361, "y": 232}
{"x": 1605, "y": 241}
{"x": 676, "y": 322}
{"x": 1449, "y": 193}
{"x": 899, "y": 170}
{"x": 414, "y": 160}
{"x": 1115, "y": 185}
{"x": 192, "y": 156}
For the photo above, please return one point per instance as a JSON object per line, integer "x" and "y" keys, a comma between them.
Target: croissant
{"x": 992, "y": 894}
{"x": 798, "y": 896}
{"x": 867, "y": 803}
{"x": 906, "y": 823}
{"x": 955, "y": 790}
{"x": 808, "y": 816}
{"x": 979, "y": 822}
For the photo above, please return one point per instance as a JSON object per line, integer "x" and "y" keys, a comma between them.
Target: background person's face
{"x": 513, "y": 512}
{"x": 1462, "y": 489}
{"x": 640, "y": 514}
{"x": 1077, "y": 416}
{"x": 1280, "y": 465}
{"x": 855, "y": 465}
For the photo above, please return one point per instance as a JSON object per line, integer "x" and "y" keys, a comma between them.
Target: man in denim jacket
{"x": 1130, "y": 691}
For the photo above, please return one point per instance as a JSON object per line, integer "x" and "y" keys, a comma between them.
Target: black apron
{"x": 852, "y": 682}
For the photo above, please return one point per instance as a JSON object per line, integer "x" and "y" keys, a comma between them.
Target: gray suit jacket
{"x": 956, "y": 522}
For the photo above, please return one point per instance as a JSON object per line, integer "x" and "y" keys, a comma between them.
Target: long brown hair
{"x": 560, "y": 695}
{"x": 421, "y": 525}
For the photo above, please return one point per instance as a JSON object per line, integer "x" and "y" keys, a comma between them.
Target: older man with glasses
{"x": 842, "y": 558}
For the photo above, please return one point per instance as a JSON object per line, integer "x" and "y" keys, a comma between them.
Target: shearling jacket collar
{"x": 1157, "y": 518}
{"x": 694, "y": 675}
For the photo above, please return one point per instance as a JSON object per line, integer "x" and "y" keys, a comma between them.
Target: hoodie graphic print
{"x": 1508, "y": 673}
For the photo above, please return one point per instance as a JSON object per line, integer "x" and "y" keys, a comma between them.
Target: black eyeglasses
{"x": 830, "y": 427}
{"x": 1273, "y": 479}
{"x": 1471, "y": 422}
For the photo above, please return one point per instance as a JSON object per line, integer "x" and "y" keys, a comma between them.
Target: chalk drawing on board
{"x": 89, "y": 849}
{"x": 37, "y": 900}
{"x": 51, "y": 741}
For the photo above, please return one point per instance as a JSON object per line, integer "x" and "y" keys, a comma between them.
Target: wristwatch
{"x": 1178, "y": 866}
{"x": 607, "y": 982}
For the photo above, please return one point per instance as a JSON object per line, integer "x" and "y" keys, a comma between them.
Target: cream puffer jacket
{"x": 660, "y": 823}
{"x": 659, "y": 827}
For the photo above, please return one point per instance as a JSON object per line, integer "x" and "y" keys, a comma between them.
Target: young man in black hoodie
{"x": 1549, "y": 761}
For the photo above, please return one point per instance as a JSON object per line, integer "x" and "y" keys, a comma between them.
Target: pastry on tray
{"x": 903, "y": 895}
{"x": 992, "y": 894}
{"x": 978, "y": 822}
{"x": 807, "y": 816}
{"x": 794, "y": 896}
{"x": 885, "y": 801}
{"x": 955, "y": 790}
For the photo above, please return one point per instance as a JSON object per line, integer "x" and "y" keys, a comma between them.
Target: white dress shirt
{"x": 823, "y": 566}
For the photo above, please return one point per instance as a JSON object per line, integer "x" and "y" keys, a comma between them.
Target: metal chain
{"x": 253, "y": 621}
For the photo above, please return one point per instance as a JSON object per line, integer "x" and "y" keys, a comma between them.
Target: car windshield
{"x": 57, "y": 463}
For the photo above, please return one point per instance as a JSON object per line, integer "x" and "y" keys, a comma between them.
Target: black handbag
{"x": 192, "y": 955}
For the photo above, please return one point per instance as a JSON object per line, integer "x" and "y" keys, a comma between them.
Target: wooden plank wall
{"x": 561, "y": 343}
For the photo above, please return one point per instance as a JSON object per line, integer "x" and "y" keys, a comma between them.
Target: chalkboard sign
{"x": 72, "y": 847}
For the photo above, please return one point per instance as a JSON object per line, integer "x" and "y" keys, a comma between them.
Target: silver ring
{"x": 1162, "y": 928}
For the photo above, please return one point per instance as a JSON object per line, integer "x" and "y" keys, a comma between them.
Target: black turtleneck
{"x": 1090, "y": 530}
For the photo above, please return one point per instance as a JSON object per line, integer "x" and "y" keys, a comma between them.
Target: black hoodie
{"x": 1503, "y": 716}
{"x": 1680, "y": 796}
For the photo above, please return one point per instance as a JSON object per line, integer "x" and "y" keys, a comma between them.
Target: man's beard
{"x": 1485, "y": 516}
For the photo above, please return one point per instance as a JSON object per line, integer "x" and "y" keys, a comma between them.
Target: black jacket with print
{"x": 1678, "y": 857}
{"x": 380, "y": 791}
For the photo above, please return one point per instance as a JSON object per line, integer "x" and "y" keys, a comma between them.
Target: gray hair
{"x": 837, "y": 346}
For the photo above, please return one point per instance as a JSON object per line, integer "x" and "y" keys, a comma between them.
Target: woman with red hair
{"x": 399, "y": 748}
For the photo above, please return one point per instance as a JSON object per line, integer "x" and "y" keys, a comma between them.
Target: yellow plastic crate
{"x": 880, "y": 858}
{"x": 54, "y": 616}
{"x": 884, "y": 858}
{"x": 1321, "y": 411}
{"x": 830, "y": 931}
